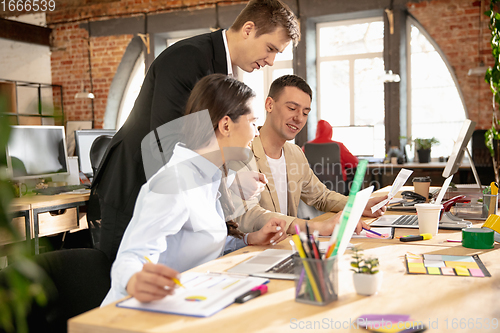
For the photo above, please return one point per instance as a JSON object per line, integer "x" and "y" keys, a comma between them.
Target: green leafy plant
{"x": 362, "y": 265}
{"x": 492, "y": 77}
{"x": 425, "y": 143}
{"x": 21, "y": 284}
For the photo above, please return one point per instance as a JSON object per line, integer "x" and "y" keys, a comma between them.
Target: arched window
{"x": 435, "y": 106}
{"x": 130, "y": 75}
{"x": 350, "y": 89}
{"x": 131, "y": 92}
{"x": 126, "y": 85}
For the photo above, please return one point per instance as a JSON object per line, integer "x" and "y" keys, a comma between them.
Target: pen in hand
{"x": 374, "y": 232}
{"x": 176, "y": 281}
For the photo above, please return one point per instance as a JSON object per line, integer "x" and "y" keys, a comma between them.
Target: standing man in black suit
{"x": 261, "y": 30}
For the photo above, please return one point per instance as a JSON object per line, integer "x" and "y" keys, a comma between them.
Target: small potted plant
{"x": 367, "y": 277}
{"x": 423, "y": 148}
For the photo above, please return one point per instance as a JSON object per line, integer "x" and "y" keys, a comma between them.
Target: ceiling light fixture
{"x": 84, "y": 94}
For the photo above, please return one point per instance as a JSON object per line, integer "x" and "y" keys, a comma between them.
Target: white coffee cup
{"x": 428, "y": 218}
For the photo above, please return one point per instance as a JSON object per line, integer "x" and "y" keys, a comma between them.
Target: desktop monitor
{"x": 459, "y": 148}
{"x": 83, "y": 143}
{"x": 37, "y": 152}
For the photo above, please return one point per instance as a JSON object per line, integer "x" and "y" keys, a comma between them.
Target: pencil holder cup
{"x": 316, "y": 280}
{"x": 490, "y": 205}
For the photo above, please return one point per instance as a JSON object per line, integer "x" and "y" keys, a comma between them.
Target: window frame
{"x": 350, "y": 57}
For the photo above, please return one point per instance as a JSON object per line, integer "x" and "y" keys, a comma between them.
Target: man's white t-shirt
{"x": 278, "y": 170}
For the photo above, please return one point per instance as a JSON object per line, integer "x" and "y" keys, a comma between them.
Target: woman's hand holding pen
{"x": 152, "y": 283}
{"x": 272, "y": 233}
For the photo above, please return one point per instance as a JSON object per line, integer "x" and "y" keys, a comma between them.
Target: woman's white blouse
{"x": 177, "y": 221}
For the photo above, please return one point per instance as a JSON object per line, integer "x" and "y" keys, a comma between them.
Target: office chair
{"x": 324, "y": 160}
{"x": 97, "y": 151}
{"x": 78, "y": 280}
{"x": 481, "y": 157}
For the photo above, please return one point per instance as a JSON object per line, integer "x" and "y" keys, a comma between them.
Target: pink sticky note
{"x": 476, "y": 272}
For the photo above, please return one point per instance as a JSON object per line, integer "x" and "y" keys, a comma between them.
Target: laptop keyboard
{"x": 406, "y": 220}
{"x": 285, "y": 266}
{"x": 60, "y": 189}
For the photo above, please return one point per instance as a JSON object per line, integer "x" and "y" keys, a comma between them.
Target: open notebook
{"x": 204, "y": 294}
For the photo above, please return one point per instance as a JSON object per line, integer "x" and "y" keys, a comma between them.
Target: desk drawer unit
{"x": 50, "y": 223}
{"x": 19, "y": 224}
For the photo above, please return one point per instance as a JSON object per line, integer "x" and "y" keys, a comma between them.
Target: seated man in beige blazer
{"x": 289, "y": 177}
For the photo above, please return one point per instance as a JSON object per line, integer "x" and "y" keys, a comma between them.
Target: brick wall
{"x": 456, "y": 27}
{"x": 69, "y": 59}
{"x": 453, "y": 24}
{"x": 70, "y": 68}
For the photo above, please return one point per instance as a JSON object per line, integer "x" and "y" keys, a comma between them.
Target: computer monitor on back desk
{"x": 37, "y": 152}
{"x": 358, "y": 139}
{"x": 459, "y": 148}
{"x": 83, "y": 143}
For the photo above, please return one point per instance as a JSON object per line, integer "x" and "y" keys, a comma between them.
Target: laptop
{"x": 278, "y": 264}
{"x": 448, "y": 220}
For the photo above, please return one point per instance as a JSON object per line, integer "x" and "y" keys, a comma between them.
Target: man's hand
{"x": 272, "y": 233}
{"x": 325, "y": 227}
{"x": 372, "y": 202}
{"x": 248, "y": 184}
{"x": 152, "y": 283}
{"x": 361, "y": 225}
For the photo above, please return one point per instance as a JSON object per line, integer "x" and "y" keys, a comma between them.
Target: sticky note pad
{"x": 447, "y": 271}
{"x": 415, "y": 264}
{"x": 434, "y": 263}
{"x": 458, "y": 258}
{"x": 417, "y": 269}
{"x": 434, "y": 270}
{"x": 413, "y": 256}
{"x": 464, "y": 264}
{"x": 433, "y": 257}
{"x": 476, "y": 272}
{"x": 462, "y": 271}
{"x": 420, "y": 260}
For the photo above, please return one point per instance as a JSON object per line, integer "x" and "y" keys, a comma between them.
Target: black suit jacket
{"x": 162, "y": 98}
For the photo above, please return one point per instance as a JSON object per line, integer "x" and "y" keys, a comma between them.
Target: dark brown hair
{"x": 267, "y": 15}
{"x": 222, "y": 96}
{"x": 288, "y": 81}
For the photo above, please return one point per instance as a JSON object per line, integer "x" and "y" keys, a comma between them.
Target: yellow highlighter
{"x": 493, "y": 200}
{"x": 494, "y": 188}
{"x": 176, "y": 281}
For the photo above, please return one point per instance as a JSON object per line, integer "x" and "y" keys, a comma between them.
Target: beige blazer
{"x": 302, "y": 184}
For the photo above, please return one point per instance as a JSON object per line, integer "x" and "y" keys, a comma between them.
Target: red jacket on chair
{"x": 324, "y": 133}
